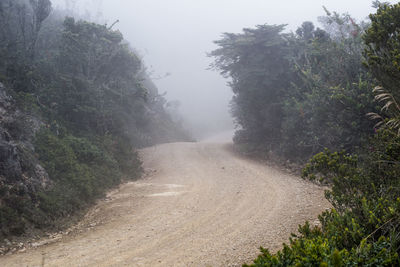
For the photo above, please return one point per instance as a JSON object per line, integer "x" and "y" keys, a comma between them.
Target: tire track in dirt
{"x": 199, "y": 205}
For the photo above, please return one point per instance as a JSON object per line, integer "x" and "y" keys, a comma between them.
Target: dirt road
{"x": 199, "y": 205}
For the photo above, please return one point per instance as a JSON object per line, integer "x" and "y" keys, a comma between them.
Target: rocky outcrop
{"x": 20, "y": 171}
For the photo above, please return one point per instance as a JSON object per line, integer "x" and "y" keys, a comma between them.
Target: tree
{"x": 21, "y": 21}
{"x": 383, "y": 59}
{"x": 41, "y": 10}
{"x": 257, "y": 63}
{"x": 382, "y": 51}
{"x": 296, "y": 94}
{"x": 89, "y": 90}
{"x": 326, "y": 106}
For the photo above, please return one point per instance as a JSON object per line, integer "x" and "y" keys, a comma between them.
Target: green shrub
{"x": 316, "y": 250}
{"x": 88, "y": 86}
{"x": 363, "y": 229}
{"x": 81, "y": 172}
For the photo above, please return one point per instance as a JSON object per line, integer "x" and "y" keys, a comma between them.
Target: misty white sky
{"x": 174, "y": 36}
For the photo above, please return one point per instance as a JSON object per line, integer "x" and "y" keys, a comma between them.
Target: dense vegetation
{"x": 296, "y": 94}
{"x": 84, "y": 103}
{"x": 312, "y": 93}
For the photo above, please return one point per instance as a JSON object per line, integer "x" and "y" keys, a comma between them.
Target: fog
{"x": 174, "y": 37}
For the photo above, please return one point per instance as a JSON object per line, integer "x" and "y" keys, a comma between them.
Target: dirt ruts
{"x": 199, "y": 205}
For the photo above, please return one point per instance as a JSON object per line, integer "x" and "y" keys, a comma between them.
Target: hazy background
{"x": 174, "y": 36}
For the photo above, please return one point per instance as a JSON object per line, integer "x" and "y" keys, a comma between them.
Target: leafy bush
{"x": 81, "y": 171}
{"x": 312, "y": 248}
{"x": 363, "y": 228}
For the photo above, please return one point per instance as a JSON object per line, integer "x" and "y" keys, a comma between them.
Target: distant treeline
{"x": 80, "y": 104}
{"x": 333, "y": 93}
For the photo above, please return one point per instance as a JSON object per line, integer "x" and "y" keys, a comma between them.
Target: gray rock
{"x": 10, "y": 165}
{"x": 18, "y": 163}
{"x": 42, "y": 176}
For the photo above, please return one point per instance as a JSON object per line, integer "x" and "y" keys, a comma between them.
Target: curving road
{"x": 200, "y": 204}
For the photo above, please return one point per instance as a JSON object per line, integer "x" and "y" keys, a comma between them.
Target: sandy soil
{"x": 199, "y": 205}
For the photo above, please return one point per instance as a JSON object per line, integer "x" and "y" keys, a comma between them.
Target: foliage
{"x": 323, "y": 110}
{"x": 81, "y": 170}
{"x": 363, "y": 228}
{"x": 296, "y": 94}
{"x": 256, "y": 62}
{"x": 94, "y": 88}
{"x": 89, "y": 92}
{"x": 21, "y": 21}
{"x": 382, "y": 47}
{"x": 382, "y": 52}
{"x": 312, "y": 248}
